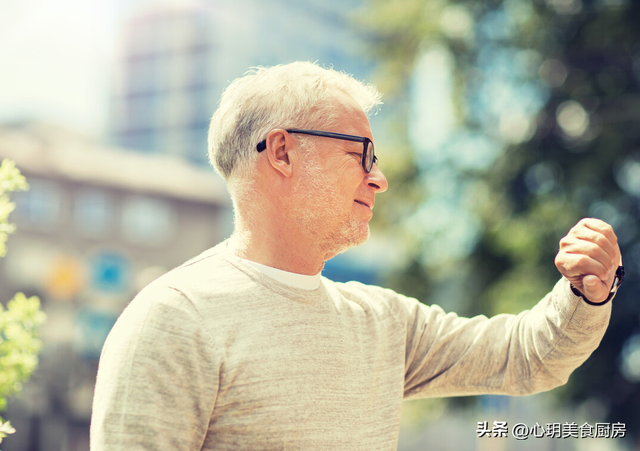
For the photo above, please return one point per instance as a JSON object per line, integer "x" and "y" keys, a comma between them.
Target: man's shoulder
{"x": 359, "y": 289}
{"x": 207, "y": 265}
{"x": 373, "y": 296}
{"x": 209, "y": 272}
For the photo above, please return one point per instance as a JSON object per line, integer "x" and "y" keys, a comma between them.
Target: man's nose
{"x": 377, "y": 180}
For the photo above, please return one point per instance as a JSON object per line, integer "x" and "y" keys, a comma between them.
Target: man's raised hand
{"x": 588, "y": 257}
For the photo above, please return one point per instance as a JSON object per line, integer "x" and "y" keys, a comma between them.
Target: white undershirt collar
{"x": 302, "y": 281}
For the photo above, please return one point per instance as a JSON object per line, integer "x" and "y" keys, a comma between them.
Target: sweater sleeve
{"x": 157, "y": 378}
{"x": 522, "y": 354}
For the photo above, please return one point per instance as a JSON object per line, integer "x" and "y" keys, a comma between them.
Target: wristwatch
{"x": 616, "y": 284}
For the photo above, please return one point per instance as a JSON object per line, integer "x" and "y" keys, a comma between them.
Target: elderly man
{"x": 247, "y": 347}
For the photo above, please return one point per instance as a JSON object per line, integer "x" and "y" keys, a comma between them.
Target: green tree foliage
{"x": 545, "y": 98}
{"x": 10, "y": 180}
{"x": 19, "y": 344}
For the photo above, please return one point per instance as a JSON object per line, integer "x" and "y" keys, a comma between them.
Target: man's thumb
{"x": 594, "y": 289}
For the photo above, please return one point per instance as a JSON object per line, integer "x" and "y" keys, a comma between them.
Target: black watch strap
{"x": 616, "y": 284}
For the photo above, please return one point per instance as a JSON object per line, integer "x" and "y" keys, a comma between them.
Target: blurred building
{"x": 177, "y": 57}
{"x": 164, "y": 92}
{"x": 96, "y": 225}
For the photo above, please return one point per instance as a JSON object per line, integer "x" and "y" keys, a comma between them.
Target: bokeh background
{"x": 505, "y": 122}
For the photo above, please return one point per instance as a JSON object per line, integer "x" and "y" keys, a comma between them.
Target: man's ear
{"x": 280, "y": 150}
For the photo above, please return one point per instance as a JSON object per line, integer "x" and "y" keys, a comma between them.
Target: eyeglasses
{"x": 368, "y": 152}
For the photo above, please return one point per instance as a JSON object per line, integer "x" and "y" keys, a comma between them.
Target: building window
{"x": 39, "y": 207}
{"x": 92, "y": 212}
{"x": 144, "y": 73}
{"x": 142, "y": 110}
{"x": 140, "y": 139}
{"x": 197, "y": 151}
{"x": 201, "y": 65}
{"x": 146, "y": 220}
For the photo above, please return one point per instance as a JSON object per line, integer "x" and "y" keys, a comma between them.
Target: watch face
{"x": 619, "y": 276}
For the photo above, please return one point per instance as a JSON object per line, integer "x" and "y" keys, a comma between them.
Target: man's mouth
{"x": 365, "y": 204}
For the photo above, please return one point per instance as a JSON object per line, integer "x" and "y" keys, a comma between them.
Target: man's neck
{"x": 280, "y": 250}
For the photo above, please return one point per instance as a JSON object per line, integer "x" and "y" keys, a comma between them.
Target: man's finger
{"x": 585, "y": 235}
{"x": 574, "y": 265}
{"x": 600, "y": 227}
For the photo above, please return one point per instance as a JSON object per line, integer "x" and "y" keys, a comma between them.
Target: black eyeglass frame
{"x": 367, "y": 164}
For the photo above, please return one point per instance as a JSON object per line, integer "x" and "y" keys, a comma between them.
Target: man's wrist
{"x": 584, "y": 298}
{"x": 616, "y": 284}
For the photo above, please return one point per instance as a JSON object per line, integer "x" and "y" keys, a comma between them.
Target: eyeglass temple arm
{"x": 329, "y": 135}
{"x": 263, "y": 144}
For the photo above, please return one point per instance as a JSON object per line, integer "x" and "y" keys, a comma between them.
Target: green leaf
{"x": 19, "y": 321}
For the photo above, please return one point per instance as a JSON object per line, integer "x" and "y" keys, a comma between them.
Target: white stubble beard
{"x": 315, "y": 205}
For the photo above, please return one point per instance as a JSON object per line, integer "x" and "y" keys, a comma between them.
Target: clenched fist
{"x": 589, "y": 257}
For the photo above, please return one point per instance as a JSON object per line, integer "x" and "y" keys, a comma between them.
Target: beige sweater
{"x": 217, "y": 356}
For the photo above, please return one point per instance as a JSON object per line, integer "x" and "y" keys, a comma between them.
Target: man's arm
{"x": 157, "y": 380}
{"x": 518, "y": 354}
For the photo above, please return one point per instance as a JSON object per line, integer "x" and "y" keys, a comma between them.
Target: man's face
{"x": 335, "y": 196}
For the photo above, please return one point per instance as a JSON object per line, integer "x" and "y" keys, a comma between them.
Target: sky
{"x": 56, "y": 60}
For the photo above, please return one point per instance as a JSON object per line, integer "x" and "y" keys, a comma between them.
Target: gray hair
{"x": 296, "y": 95}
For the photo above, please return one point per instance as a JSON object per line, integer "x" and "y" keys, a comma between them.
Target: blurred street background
{"x": 505, "y": 122}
